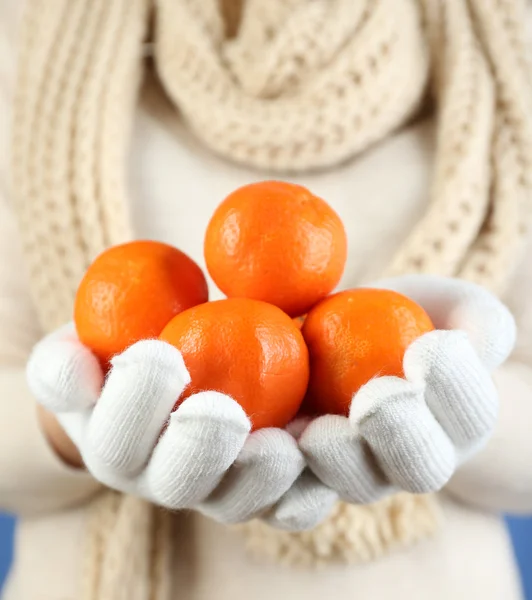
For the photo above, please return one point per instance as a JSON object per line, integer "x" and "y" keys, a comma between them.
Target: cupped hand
{"x": 412, "y": 434}
{"x": 201, "y": 455}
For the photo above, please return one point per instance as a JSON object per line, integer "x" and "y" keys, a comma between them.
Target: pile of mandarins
{"x": 279, "y": 344}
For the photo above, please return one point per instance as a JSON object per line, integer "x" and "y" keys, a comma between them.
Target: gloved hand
{"x": 411, "y": 434}
{"x": 401, "y": 434}
{"x": 200, "y": 456}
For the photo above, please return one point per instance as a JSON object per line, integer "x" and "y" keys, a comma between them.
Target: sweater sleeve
{"x": 32, "y": 478}
{"x": 500, "y": 477}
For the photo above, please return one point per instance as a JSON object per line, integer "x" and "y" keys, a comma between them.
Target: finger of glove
{"x": 204, "y": 437}
{"x": 408, "y": 443}
{"x": 341, "y": 459}
{"x": 458, "y": 388}
{"x": 304, "y": 506}
{"x": 141, "y": 391}
{"x": 456, "y": 304}
{"x": 267, "y": 466}
{"x": 63, "y": 374}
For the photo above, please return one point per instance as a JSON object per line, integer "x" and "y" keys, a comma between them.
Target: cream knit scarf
{"x": 281, "y": 85}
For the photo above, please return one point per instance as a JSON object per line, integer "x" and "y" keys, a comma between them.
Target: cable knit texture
{"x": 282, "y": 85}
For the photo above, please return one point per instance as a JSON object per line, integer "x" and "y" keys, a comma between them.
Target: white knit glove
{"x": 205, "y": 458}
{"x": 401, "y": 434}
{"x": 411, "y": 434}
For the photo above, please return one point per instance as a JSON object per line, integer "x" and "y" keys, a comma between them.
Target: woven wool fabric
{"x": 284, "y": 86}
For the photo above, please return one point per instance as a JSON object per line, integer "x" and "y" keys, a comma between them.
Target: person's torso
{"x": 176, "y": 184}
{"x": 471, "y": 557}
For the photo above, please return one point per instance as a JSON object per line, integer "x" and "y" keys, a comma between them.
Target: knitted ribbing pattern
{"x": 481, "y": 194}
{"x": 79, "y": 70}
{"x": 302, "y": 85}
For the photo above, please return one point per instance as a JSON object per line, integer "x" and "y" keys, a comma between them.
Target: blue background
{"x": 521, "y": 530}
{"x": 6, "y": 543}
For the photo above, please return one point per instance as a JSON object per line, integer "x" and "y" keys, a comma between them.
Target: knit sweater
{"x": 173, "y": 185}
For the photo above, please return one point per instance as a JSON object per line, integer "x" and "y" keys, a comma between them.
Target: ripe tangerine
{"x": 354, "y": 336}
{"x": 247, "y": 349}
{"x": 131, "y": 291}
{"x": 276, "y": 242}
